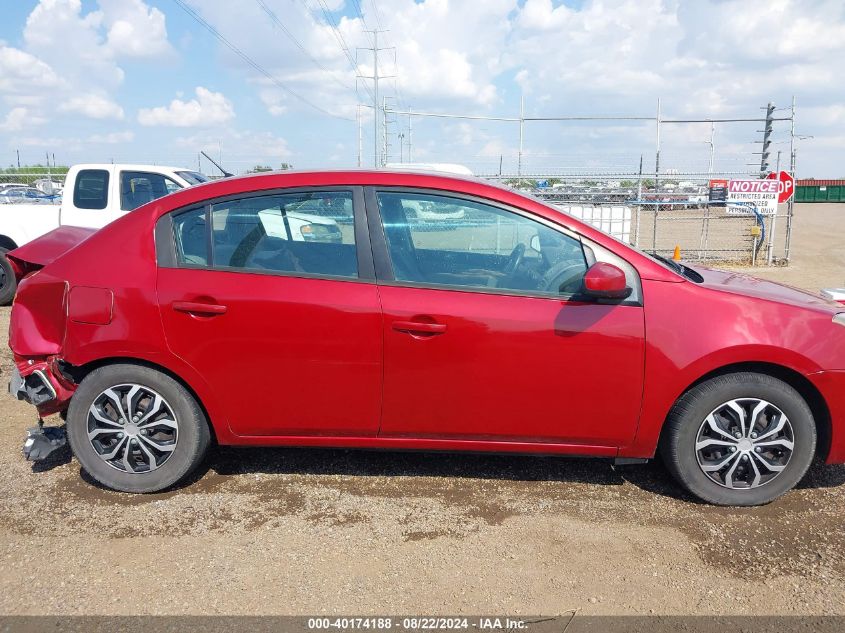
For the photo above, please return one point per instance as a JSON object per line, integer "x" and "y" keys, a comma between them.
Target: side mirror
{"x": 606, "y": 281}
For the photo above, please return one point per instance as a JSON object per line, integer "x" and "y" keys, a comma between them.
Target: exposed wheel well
{"x": 78, "y": 373}
{"x": 808, "y": 391}
{"x": 7, "y": 243}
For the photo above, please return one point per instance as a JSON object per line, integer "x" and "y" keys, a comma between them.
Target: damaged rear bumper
{"x": 34, "y": 389}
{"x": 41, "y": 384}
{"x": 41, "y": 387}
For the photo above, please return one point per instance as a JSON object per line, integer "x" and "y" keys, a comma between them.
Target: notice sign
{"x": 745, "y": 196}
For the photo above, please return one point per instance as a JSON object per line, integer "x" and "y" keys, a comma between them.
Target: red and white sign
{"x": 787, "y": 185}
{"x": 747, "y": 196}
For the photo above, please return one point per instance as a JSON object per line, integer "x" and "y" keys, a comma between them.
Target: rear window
{"x": 91, "y": 190}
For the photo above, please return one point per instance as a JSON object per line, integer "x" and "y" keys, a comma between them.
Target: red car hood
{"x": 50, "y": 246}
{"x": 742, "y": 284}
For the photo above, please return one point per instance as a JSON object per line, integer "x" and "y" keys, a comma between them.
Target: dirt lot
{"x": 319, "y": 531}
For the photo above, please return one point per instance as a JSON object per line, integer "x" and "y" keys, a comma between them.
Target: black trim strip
{"x": 381, "y": 257}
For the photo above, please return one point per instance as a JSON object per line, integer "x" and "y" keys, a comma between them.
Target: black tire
{"x": 8, "y": 283}
{"x": 191, "y": 446}
{"x": 678, "y": 441}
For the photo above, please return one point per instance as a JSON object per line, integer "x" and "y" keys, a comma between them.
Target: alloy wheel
{"x": 132, "y": 428}
{"x": 744, "y": 443}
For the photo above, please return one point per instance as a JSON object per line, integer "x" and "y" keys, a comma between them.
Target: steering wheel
{"x": 515, "y": 259}
{"x": 564, "y": 277}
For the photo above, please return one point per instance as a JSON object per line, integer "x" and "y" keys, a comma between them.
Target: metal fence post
{"x": 791, "y": 203}
{"x": 656, "y": 182}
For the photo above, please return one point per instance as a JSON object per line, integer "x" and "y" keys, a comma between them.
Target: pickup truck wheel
{"x": 8, "y": 284}
{"x": 135, "y": 429}
{"x": 740, "y": 439}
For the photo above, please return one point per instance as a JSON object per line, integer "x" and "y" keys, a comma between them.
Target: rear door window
{"x": 140, "y": 187}
{"x": 309, "y": 233}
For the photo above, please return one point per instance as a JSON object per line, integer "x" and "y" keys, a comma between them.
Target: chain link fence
{"x": 677, "y": 213}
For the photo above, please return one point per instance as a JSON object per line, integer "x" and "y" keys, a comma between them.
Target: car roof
{"x": 133, "y": 167}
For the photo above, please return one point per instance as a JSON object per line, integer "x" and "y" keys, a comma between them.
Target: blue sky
{"x": 142, "y": 81}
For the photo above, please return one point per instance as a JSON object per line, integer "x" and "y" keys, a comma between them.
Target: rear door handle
{"x": 197, "y": 307}
{"x": 417, "y": 327}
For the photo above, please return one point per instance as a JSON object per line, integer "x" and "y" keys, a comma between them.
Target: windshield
{"x": 192, "y": 177}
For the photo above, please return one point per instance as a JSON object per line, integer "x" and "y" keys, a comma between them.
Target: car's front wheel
{"x": 136, "y": 429}
{"x": 739, "y": 439}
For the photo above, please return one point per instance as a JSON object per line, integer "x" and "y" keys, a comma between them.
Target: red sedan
{"x": 414, "y": 311}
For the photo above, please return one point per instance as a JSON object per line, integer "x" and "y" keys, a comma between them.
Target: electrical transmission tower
{"x": 377, "y": 107}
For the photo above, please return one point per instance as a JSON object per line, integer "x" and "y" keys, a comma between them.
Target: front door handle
{"x": 419, "y": 328}
{"x": 197, "y": 307}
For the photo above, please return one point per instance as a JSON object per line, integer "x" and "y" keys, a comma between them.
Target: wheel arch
{"x": 806, "y": 389}
{"x": 79, "y": 372}
{"x": 7, "y": 242}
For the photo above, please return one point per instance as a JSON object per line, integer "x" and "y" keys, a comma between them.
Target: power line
{"x": 272, "y": 15}
{"x": 255, "y": 65}
{"x": 344, "y": 47}
{"x": 376, "y": 11}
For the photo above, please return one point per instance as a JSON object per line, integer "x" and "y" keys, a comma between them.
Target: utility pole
{"x": 410, "y": 137}
{"x": 521, "y": 126}
{"x": 790, "y": 204}
{"x": 710, "y": 163}
{"x": 360, "y": 135}
{"x": 385, "y": 144}
{"x": 656, "y": 182}
{"x": 401, "y": 146}
{"x": 375, "y": 97}
{"x": 377, "y": 160}
{"x": 767, "y": 140}
{"x": 18, "y": 152}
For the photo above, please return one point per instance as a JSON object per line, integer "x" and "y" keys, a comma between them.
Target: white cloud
{"x": 20, "y": 71}
{"x": 208, "y": 109}
{"x": 69, "y": 62}
{"x": 112, "y": 138}
{"x": 134, "y": 29}
{"x": 18, "y": 119}
{"x": 93, "y": 106}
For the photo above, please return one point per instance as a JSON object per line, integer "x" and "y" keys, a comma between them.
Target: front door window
{"x": 437, "y": 240}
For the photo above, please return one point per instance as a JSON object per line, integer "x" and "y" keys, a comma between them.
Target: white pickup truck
{"x": 93, "y": 196}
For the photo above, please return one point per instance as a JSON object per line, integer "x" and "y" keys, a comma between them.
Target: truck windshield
{"x": 193, "y": 177}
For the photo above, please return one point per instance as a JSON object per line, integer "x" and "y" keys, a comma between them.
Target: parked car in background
{"x": 9, "y": 185}
{"x": 27, "y": 195}
{"x": 93, "y": 196}
{"x": 525, "y": 330}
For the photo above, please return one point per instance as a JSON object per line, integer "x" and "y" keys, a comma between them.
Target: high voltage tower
{"x": 376, "y": 77}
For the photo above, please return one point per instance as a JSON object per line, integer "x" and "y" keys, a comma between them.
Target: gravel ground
{"x": 296, "y": 531}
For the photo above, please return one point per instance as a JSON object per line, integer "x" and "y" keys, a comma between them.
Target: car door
{"x": 485, "y": 334}
{"x": 286, "y": 328}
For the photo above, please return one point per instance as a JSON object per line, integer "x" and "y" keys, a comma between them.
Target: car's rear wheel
{"x": 8, "y": 284}
{"x": 739, "y": 439}
{"x": 136, "y": 429}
